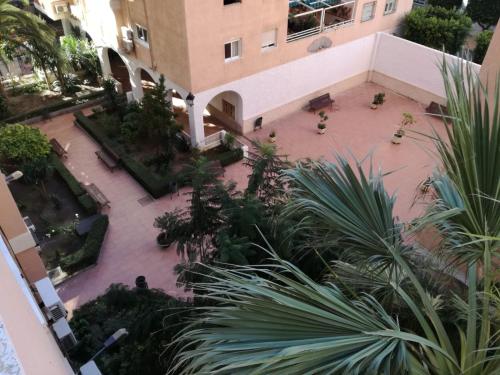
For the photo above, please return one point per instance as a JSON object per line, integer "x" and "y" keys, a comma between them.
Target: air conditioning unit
{"x": 29, "y": 224}
{"x": 61, "y": 8}
{"x": 64, "y": 334}
{"x": 128, "y": 45}
{"x": 54, "y": 308}
{"x": 127, "y": 33}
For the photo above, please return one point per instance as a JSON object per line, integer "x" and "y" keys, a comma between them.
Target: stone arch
{"x": 225, "y": 109}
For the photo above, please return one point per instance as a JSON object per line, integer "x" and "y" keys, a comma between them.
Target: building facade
{"x": 34, "y": 332}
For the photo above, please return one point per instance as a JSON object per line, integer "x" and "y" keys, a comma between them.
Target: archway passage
{"x": 148, "y": 83}
{"x": 224, "y": 111}
{"x": 119, "y": 70}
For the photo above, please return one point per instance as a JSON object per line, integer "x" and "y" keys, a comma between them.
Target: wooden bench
{"x": 321, "y": 102}
{"x": 58, "y": 149}
{"x": 108, "y": 157}
{"x": 97, "y": 195}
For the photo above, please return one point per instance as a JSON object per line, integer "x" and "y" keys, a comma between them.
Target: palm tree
{"x": 21, "y": 29}
{"x": 273, "y": 319}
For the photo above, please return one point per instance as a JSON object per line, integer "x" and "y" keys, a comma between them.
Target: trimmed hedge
{"x": 45, "y": 111}
{"x": 154, "y": 185}
{"x": 88, "y": 254}
{"x": 230, "y": 157}
{"x": 86, "y": 201}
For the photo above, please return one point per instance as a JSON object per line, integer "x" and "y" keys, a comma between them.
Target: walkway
{"x": 130, "y": 248}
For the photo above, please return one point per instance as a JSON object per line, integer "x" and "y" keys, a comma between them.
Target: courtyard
{"x": 130, "y": 248}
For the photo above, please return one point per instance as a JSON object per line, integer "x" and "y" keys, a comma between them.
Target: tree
{"x": 142, "y": 312}
{"x": 274, "y": 319}
{"x": 483, "y": 40}
{"x": 437, "y": 27}
{"x": 485, "y": 12}
{"x": 448, "y": 4}
{"x": 82, "y": 55}
{"x": 22, "y": 146}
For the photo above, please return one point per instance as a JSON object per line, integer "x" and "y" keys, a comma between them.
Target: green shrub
{"x": 88, "y": 254}
{"x": 448, "y": 4}
{"x": 88, "y": 203}
{"x": 72, "y": 183}
{"x": 4, "y": 110}
{"x": 483, "y": 40}
{"x": 230, "y": 157}
{"x": 437, "y": 27}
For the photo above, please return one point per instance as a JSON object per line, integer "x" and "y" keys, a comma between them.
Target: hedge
{"x": 88, "y": 254}
{"x": 44, "y": 111}
{"x": 89, "y": 205}
{"x": 154, "y": 185}
{"x": 229, "y": 157}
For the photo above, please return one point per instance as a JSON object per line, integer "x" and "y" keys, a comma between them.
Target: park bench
{"x": 108, "y": 157}
{"x": 58, "y": 149}
{"x": 321, "y": 102}
{"x": 97, "y": 195}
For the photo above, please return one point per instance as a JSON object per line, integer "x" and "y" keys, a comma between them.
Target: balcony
{"x": 311, "y": 17}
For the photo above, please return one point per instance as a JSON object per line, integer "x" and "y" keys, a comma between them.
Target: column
{"x": 196, "y": 128}
{"x": 66, "y": 24}
{"x": 136, "y": 82}
{"x": 102, "y": 53}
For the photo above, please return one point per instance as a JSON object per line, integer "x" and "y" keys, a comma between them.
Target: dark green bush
{"x": 483, "y": 40}
{"x": 88, "y": 203}
{"x": 437, "y": 27}
{"x": 73, "y": 184}
{"x": 448, "y": 4}
{"x": 230, "y": 157}
{"x": 88, "y": 254}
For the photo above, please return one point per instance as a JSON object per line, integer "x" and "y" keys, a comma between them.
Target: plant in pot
{"x": 407, "y": 120}
{"x": 272, "y": 136}
{"x": 170, "y": 227}
{"x": 322, "y": 122}
{"x": 229, "y": 140}
{"x": 378, "y": 99}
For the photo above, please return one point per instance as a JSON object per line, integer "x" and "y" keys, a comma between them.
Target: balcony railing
{"x": 307, "y": 17}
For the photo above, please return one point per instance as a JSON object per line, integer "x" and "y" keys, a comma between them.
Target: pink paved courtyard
{"x": 130, "y": 247}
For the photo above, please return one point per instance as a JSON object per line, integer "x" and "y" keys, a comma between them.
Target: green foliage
{"x": 485, "y": 12}
{"x": 483, "y": 40}
{"x": 88, "y": 203}
{"x": 114, "y": 102}
{"x": 131, "y": 125}
{"x": 152, "y": 319}
{"x": 379, "y": 99}
{"x": 229, "y": 157}
{"x": 437, "y": 27}
{"x": 88, "y": 254}
{"x": 22, "y": 146}
{"x": 4, "y": 109}
{"x": 82, "y": 55}
{"x": 72, "y": 183}
{"x": 448, "y": 4}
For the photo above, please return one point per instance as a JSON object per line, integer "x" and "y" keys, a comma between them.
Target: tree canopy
{"x": 485, "y": 12}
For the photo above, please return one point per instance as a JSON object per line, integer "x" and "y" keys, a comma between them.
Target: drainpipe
{"x": 374, "y": 56}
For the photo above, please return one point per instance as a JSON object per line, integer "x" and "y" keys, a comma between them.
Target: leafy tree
{"x": 448, "y": 4}
{"x": 142, "y": 312}
{"x": 437, "y": 27}
{"x": 483, "y": 40}
{"x": 82, "y": 55}
{"x": 382, "y": 309}
{"x": 485, "y": 12}
{"x": 22, "y": 145}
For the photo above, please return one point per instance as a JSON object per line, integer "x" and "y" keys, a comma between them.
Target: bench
{"x": 108, "y": 157}
{"x": 58, "y": 149}
{"x": 97, "y": 195}
{"x": 216, "y": 168}
{"x": 321, "y": 102}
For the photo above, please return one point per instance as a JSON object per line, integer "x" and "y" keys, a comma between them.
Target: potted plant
{"x": 322, "y": 122}
{"x": 229, "y": 140}
{"x": 272, "y": 136}
{"x": 163, "y": 241}
{"x": 405, "y": 121}
{"x": 378, "y": 99}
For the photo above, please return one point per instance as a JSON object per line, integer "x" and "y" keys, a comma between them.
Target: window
{"x": 228, "y": 2}
{"x": 232, "y": 50}
{"x": 390, "y": 7}
{"x": 368, "y": 11}
{"x": 142, "y": 33}
{"x": 269, "y": 39}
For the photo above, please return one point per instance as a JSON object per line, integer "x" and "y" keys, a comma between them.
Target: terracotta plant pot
{"x": 321, "y": 131}
{"x": 373, "y": 106}
{"x": 272, "y": 139}
{"x": 396, "y": 138}
{"x": 163, "y": 241}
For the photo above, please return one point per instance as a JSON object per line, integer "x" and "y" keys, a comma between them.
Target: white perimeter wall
{"x": 411, "y": 63}
{"x": 404, "y": 61}
{"x": 283, "y": 84}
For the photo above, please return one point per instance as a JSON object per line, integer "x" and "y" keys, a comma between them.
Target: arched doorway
{"x": 147, "y": 82}
{"x": 224, "y": 111}
{"x": 119, "y": 70}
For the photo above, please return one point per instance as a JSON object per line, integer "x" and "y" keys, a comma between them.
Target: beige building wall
{"x": 490, "y": 70}
{"x": 26, "y": 341}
